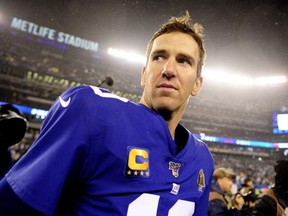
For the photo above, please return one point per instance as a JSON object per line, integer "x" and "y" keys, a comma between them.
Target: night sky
{"x": 249, "y": 37}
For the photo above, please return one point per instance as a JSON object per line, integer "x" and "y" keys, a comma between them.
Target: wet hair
{"x": 183, "y": 24}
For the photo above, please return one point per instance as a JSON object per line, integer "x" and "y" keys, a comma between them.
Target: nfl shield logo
{"x": 175, "y": 167}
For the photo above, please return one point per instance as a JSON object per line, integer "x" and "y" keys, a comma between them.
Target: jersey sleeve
{"x": 203, "y": 203}
{"x": 58, "y": 154}
{"x": 207, "y": 160}
{"x": 8, "y": 201}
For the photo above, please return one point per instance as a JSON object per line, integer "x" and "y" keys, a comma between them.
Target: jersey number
{"x": 147, "y": 205}
{"x": 107, "y": 94}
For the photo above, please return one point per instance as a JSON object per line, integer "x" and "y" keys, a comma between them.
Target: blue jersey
{"x": 99, "y": 154}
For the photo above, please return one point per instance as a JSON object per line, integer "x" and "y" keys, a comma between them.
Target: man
{"x": 274, "y": 202}
{"x": 100, "y": 154}
{"x": 221, "y": 186}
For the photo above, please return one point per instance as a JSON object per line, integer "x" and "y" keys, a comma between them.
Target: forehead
{"x": 176, "y": 43}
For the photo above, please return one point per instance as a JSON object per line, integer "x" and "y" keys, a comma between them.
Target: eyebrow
{"x": 163, "y": 52}
{"x": 188, "y": 57}
{"x": 157, "y": 52}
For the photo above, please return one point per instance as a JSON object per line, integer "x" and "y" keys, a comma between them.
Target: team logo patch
{"x": 64, "y": 103}
{"x": 201, "y": 180}
{"x": 137, "y": 163}
{"x": 175, "y": 167}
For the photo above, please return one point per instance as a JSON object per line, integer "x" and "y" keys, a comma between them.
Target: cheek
{"x": 144, "y": 78}
{"x": 189, "y": 84}
{"x": 149, "y": 76}
{"x": 230, "y": 184}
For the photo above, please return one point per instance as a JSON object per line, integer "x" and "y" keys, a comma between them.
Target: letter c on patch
{"x": 138, "y": 159}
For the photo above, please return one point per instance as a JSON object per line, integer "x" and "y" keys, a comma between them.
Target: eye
{"x": 158, "y": 57}
{"x": 183, "y": 60}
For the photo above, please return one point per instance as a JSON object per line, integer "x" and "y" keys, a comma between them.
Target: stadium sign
{"x": 52, "y": 34}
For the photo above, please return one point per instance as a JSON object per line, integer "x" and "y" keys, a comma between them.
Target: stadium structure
{"x": 234, "y": 121}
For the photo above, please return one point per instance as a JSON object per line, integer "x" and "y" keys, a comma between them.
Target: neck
{"x": 172, "y": 118}
{"x": 172, "y": 124}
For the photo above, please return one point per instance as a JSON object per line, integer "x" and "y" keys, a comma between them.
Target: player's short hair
{"x": 182, "y": 24}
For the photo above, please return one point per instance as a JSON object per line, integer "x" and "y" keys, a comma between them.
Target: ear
{"x": 143, "y": 76}
{"x": 197, "y": 86}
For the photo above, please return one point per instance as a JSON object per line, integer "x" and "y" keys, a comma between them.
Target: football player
{"x": 100, "y": 154}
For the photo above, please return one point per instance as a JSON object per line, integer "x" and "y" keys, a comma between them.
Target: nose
{"x": 169, "y": 69}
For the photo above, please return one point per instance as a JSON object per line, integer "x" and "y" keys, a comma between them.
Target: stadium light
{"x": 129, "y": 56}
{"x": 221, "y": 75}
{"x": 270, "y": 80}
{"x": 228, "y": 77}
{"x": 282, "y": 145}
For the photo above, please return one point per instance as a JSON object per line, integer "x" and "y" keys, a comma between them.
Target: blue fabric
{"x": 102, "y": 153}
{"x": 10, "y": 204}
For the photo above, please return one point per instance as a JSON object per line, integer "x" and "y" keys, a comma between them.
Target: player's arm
{"x": 59, "y": 152}
{"x": 11, "y": 204}
{"x": 202, "y": 205}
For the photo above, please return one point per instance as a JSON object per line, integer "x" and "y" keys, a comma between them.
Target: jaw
{"x": 166, "y": 103}
{"x": 163, "y": 102}
{"x": 169, "y": 107}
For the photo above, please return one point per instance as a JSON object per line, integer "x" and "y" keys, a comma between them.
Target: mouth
{"x": 166, "y": 86}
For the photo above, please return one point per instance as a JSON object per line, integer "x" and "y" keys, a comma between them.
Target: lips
{"x": 166, "y": 86}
